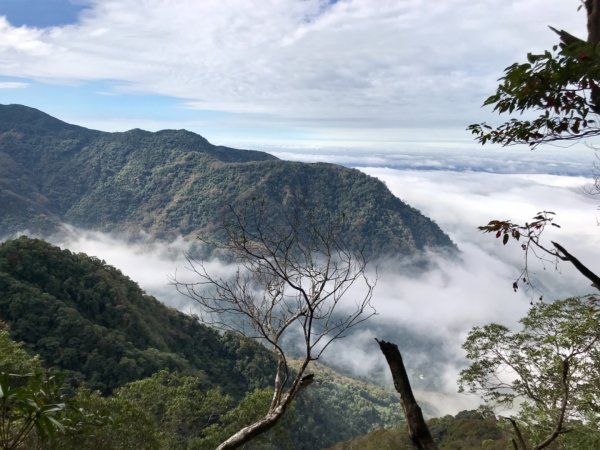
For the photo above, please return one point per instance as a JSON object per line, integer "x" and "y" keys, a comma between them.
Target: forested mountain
{"x": 95, "y": 325}
{"x": 86, "y": 317}
{"x": 174, "y": 182}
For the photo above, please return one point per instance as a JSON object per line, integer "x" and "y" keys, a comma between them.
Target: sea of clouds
{"x": 430, "y": 313}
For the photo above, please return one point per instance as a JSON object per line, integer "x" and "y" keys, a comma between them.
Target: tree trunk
{"x": 593, "y": 20}
{"x": 251, "y": 431}
{"x": 519, "y": 443}
{"x": 417, "y": 428}
{"x": 271, "y": 418}
{"x": 564, "y": 255}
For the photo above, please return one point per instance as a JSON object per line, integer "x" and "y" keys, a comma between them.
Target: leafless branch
{"x": 289, "y": 278}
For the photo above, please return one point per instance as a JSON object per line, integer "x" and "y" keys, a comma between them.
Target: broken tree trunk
{"x": 417, "y": 428}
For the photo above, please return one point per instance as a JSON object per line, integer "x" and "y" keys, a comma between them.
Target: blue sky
{"x": 281, "y": 73}
{"x": 42, "y": 13}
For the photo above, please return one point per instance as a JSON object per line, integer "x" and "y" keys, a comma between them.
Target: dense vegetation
{"x": 547, "y": 370}
{"x": 174, "y": 182}
{"x": 137, "y": 374}
{"x": 84, "y": 316}
{"x": 466, "y": 430}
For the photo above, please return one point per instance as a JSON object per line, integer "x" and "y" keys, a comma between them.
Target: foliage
{"x": 170, "y": 410}
{"x": 337, "y": 408}
{"x": 27, "y": 403}
{"x": 182, "y": 407}
{"x": 95, "y": 421}
{"x": 165, "y": 411}
{"x": 466, "y": 430}
{"x": 173, "y": 183}
{"x": 562, "y": 86}
{"x": 29, "y": 396}
{"x": 548, "y": 370}
{"x": 85, "y": 317}
{"x": 15, "y": 359}
{"x": 250, "y": 409}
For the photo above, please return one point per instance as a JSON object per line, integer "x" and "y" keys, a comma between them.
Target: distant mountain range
{"x": 174, "y": 182}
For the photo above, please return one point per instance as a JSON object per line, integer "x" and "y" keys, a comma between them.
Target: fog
{"x": 427, "y": 314}
{"x": 441, "y": 305}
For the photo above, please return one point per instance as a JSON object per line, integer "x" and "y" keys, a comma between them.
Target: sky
{"x": 284, "y": 73}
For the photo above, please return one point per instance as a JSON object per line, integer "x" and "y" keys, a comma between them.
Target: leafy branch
{"x": 562, "y": 85}
{"x": 529, "y": 236}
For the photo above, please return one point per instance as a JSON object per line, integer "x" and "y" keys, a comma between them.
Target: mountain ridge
{"x": 86, "y": 317}
{"x": 174, "y": 182}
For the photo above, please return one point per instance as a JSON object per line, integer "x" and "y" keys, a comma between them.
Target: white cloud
{"x": 461, "y": 201}
{"x": 13, "y": 85}
{"x": 363, "y": 65}
{"x": 429, "y": 315}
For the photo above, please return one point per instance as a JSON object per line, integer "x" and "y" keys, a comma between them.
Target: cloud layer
{"x": 315, "y": 65}
{"x": 429, "y": 313}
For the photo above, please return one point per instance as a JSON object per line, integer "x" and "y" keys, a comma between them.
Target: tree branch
{"x": 520, "y": 440}
{"x": 564, "y": 255}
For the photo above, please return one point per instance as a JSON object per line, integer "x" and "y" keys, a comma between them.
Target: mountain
{"x": 87, "y": 319}
{"x": 174, "y": 182}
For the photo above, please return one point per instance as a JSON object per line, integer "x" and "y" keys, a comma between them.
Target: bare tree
{"x": 530, "y": 235}
{"x": 289, "y": 282}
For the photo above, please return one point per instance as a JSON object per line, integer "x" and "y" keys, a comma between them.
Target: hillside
{"x": 87, "y": 319}
{"x": 174, "y": 182}
{"x": 466, "y": 430}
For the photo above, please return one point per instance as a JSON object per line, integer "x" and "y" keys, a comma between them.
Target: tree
{"x": 562, "y": 86}
{"x": 27, "y": 403}
{"x": 29, "y": 398}
{"x": 548, "y": 370}
{"x": 288, "y": 285}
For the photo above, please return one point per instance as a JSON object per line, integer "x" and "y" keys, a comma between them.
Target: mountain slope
{"x": 175, "y": 182}
{"x": 86, "y": 317}
{"x": 466, "y": 430}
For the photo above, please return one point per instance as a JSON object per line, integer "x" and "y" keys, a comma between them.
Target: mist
{"x": 429, "y": 313}
{"x": 429, "y": 316}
